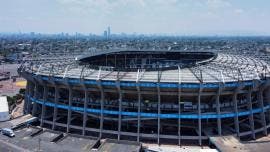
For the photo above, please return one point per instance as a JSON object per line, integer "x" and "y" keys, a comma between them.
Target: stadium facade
{"x": 151, "y": 95}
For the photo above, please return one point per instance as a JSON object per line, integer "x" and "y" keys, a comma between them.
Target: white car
{"x": 8, "y": 132}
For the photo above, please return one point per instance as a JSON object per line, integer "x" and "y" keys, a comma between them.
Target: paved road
{"x": 8, "y": 147}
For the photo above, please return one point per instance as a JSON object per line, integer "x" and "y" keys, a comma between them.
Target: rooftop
{"x": 3, "y": 104}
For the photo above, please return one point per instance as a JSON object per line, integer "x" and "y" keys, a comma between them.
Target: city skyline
{"x": 173, "y": 17}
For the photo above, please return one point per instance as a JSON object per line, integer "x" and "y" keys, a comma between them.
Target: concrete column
{"x": 70, "y": 98}
{"x": 34, "y": 109}
{"x": 179, "y": 105}
{"x": 179, "y": 114}
{"x": 262, "y": 115}
{"x": 199, "y": 114}
{"x": 43, "y": 111}
{"x": 139, "y": 111}
{"x": 159, "y": 102}
{"x": 236, "y": 120}
{"x": 218, "y": 109}
{"x": 102, "y": 107}
{"x": 55, "y": 109}
{"x": 86, "y": 99}
{"x": 26, "y": 98}
{"x": 29, "y": 94}
{"x": 251, "y": 119}
{"x": 119, "y": 110}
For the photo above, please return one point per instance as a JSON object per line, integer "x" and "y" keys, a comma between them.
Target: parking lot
{"x": 33, "y": 138}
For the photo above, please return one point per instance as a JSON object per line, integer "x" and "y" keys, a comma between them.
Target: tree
{"x": 22, "y": 91}
{"x": 11, "y": 100}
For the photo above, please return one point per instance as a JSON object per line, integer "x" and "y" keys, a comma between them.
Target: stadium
{"x": 159, "y": 96}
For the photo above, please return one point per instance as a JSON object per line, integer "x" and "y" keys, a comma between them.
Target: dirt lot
{"x": 10, "y": 88}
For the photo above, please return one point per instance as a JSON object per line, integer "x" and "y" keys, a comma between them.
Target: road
{"x": 8, "y": 147}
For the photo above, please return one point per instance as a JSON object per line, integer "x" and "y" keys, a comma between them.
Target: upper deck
{"x": 220, "y": 68}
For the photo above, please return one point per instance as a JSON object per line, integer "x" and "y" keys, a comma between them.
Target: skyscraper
{"x": 109, "y": 32}
{"x": 105, "y": 34}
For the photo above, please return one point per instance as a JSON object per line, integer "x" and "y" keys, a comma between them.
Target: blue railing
{"x": 154, "y": 115}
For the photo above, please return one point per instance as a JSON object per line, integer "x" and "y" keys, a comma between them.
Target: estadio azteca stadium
{"x": 151, "y": 95}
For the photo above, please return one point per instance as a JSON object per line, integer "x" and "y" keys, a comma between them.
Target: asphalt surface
{"x": 9, "y": 147}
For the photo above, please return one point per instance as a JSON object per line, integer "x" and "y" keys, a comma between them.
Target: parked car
{"x": 8, "y": 132}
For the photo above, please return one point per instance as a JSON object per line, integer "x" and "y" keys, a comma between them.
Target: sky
{"x": 175, "y": 17}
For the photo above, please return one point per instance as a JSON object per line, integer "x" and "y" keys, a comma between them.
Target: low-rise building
{"x": 4, "y": 112}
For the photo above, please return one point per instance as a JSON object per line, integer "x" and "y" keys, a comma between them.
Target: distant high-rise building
{"x": 105, "y": 34}
{"x": 109, "y": 32}
{"x": 32, "y": 33}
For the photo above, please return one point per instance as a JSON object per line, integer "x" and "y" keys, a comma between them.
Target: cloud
{"x": 146, "y": 7}
{"x": 116, "y": 4}
{"x": 239, "y": 11}
{"x": 218, "y": 3}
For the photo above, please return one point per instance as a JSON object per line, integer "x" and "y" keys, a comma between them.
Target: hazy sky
{"x": 202, "y": 17}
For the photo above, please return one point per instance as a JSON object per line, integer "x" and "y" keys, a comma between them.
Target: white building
{"x": 4, "y": 112}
